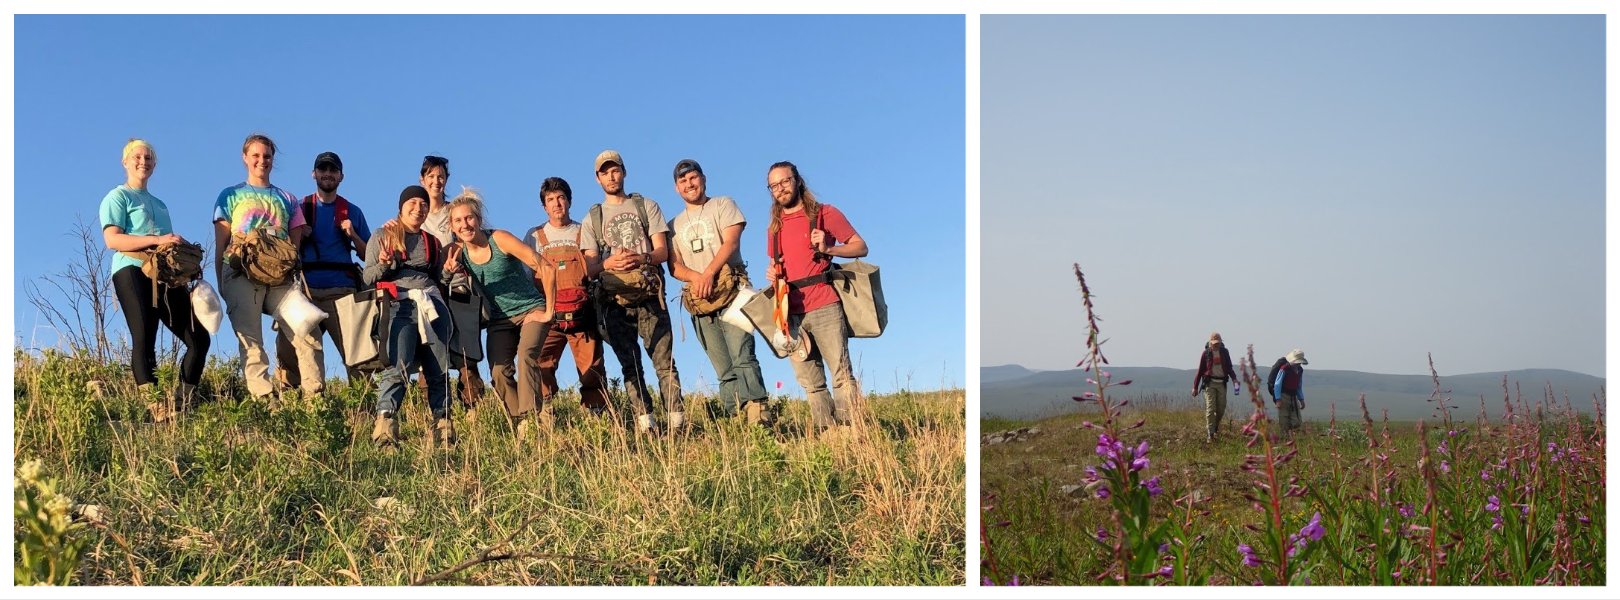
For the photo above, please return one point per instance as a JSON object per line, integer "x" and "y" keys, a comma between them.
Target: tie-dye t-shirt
{"x": 248, "y": 207}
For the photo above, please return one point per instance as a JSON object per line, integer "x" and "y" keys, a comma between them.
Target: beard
{"x": 325, "y": 187}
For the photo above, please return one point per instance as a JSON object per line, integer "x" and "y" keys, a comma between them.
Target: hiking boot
{"x": 444, "y": 432}
{"x": 183, "y": 399}
{"x": 160, "y": 406}
{"x": 644, "y": 423}
{"x": 385, "y": 431}
{"x": 756, "y": 413}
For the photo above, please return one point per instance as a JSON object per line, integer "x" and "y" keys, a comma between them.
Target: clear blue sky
{"x": 1367, "y": 188}
{"x": 870, "y": 108}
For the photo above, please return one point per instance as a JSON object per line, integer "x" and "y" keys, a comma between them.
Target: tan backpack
{"x": 173, "y": 265}
{"x": 266, "y": 258}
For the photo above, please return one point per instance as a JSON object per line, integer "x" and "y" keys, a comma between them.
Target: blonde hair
{"x": 470, "y": 198}
{"x": 129, "y": 148}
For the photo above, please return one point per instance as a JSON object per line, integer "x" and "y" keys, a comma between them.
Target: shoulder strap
{"x": 596, "y": 226}
{"x": 540, "y": 236}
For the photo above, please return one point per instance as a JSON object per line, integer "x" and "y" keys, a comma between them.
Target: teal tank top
{"x": 505, "y": 282}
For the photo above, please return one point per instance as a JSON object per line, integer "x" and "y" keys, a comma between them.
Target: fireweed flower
{"x": 1445, "y": 467}
{"x": 1102, "y": 534}
{"x": 1496, "y": 522}
{"x": 1249, "y": 557}
{"x": 1484, "y": 475}
{"x": 1167, "y": 570}
{"x": 1405, "y": 510}
{"x": 1313, "y": 530}
{"x": 1442, "y": 448}
{"x": 1165, "y": 547}
{"x": 1493, "y": 504}
{"x": 1152, "y": 486}
{"x": 1103, "y": 493}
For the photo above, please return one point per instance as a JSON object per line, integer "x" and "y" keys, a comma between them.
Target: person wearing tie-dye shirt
{"x": 241, "y": 208}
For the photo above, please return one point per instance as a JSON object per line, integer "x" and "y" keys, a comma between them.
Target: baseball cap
{"x": 687, "y": 165}
{"x": 330, "y": 158}
{"x": 608, "y": 156}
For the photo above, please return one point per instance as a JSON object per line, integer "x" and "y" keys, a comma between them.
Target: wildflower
{"x": 1443, "y": 448}
{"x": 1313, "y": 530}
{"x": 1496, "y": 522}
{"x": 1493, "y": 504}
{"x": 1165, "y": 547}
{"x": 1152, "y": 486}
{"x": 1445, "y": 467}
{"x": 1582, "y": 518}
{"x": 1105, "y": 445}
{"x": 1524, "y": 510}
{"x": 1167, "y": 570}
{"x": 1249, "y": 557}
{"x": 1091, "y": 474}
{"x": 1484, "y": 475}
{"x": 1405, "y": 510}
{"x": 1102, "y": 534}
{"x": 1103, "y": 493}
{"x": 1396, "y": 573}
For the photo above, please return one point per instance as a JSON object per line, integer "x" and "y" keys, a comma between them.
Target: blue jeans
{"x": 408, "y": 352}
{"x": 732, "y": 352}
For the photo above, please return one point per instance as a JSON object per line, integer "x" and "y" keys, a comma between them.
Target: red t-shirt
{"x": 799, "y": 260}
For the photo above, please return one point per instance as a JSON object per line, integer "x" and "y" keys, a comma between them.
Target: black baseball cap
{"x": 329, "y": 158}
{"x": 687, "y": 165}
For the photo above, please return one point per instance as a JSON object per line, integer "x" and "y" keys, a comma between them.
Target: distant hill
{"x": 1003, "y": 373}
{"x": 1045, "y": 393}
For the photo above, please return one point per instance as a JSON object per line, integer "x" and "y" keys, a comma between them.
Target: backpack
{"x": 338, "y": 216}
{"x": 265, "y": 257}
{"x": 1276, "y": 371}
{"x": 629, "y": 288}
{"x": 173, "y": 265}
{"x": 572, "y": 305}
{"x": 858, "y": 284}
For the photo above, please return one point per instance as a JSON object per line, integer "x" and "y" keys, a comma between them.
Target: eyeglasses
{"x": 783, "y": 184}
{"x": 436, "y": 161}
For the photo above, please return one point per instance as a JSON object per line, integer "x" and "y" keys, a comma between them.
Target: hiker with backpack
{"x": 1287, "y": 385}
{"x": 706, "y": 238}
{"x": 1214, "y": 369}
{"x": 407, "y": 264}
{"x": 626, "y": 237}
{"x": 518, "y": 317}
{"x": 803, "y": 237}
{"x": 135, "y": 225}
{"x": 257, "y": 230}
{"x": 337, "y": 233}
{"x": 573, "y": 323}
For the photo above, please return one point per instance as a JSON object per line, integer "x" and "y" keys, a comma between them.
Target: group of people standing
{"x": 1286, "y": 384}
{"x": 564, "y": 285}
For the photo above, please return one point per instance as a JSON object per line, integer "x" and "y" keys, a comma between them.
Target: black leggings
{"x": 134, "y": 291}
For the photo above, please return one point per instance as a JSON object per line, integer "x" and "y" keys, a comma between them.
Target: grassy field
{"x": 240, "y": 494}
{"x": 1378, "y": 491}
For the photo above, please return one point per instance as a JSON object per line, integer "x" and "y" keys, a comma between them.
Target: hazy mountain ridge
{"x": 1043, "y": 393}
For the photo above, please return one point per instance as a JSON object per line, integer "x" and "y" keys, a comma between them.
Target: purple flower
{"x": 1443, "y": 448}
{"x": 988, "y": 582}
{"x": 1091, "y": 474}
{"x": 1445, "y": 467}
{"x": 1496, "y": 521}
{"x": 1105, "y": 445}
{"x": 1103, "y": 493}
{"x": 1142, "y": 450}
{"x": 1152, "y": 486}
{"x": 1493, "y": 504}
{"x": 1396, "y": 573}
{"x": 1552, "y": 446}
{"x": 1102, "y": 534}
{"x": 1582, "y": 518}
{"x": 1313, "y": 530}
{"x": 1167, "y": 570}
{"x": 1165, "y": 547}
{"x": 1141, "y": 462}
{"x": 1484, "y": 475}
{"x": 1405, "y": 510}
{"x": 1524, "y": 509}
{"x": 1249, "y": 558}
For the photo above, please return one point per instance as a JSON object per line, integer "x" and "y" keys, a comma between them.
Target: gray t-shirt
{"x": 556, "y": 237}
{"x": 697, "y": 232}
{"x": 415, "y": 272}
{"x": 622, "y": 228}
{"x": 438, "y": 224}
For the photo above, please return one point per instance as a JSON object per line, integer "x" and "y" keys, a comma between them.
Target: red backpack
{"x": 572, "y": 303}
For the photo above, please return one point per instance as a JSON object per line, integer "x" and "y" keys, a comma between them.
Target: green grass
{"x": 239, "y": 494}
{"x": 1049, "y": 537}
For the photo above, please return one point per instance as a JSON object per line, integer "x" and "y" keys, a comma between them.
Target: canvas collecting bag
{"x": 363, "y": 318}
{"x": 635, "y": 286}
{"x": 860, "y": 290}
{"x": 266, "y": 258}
{"x": 726, "y": 285}
{"x": 173, "y": 265}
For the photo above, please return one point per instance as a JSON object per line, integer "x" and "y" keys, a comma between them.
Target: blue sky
{"x": 1366, "y": 188}
{"x": 870, "y": 108}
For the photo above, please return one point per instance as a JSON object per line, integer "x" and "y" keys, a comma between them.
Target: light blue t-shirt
{"x": 137, "y": 212}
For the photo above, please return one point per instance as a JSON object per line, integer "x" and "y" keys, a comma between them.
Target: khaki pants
{"x": 1214, "y": 405}
{"x": 286, "y": 353}
{"x": 513, "y": 341}
{"x": 829, "y": 344}
{"x": 1288, "y": 413}
{"x": 246, "y": 302}
{"x": 587, "y": 349}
